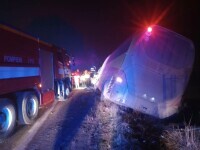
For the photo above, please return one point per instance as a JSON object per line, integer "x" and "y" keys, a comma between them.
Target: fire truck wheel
{"x": 27, "y": 108}
{"x": 70, "y": 88}
{"x": 67, "y": 91}
{"x": 7, "y": 118}
{"x": 56, "y": 88}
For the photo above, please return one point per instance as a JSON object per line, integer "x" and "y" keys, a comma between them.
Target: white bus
{"x": 148, "y": 72}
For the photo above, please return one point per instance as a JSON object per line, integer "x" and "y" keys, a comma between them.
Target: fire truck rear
{"x": 32, "y": 74}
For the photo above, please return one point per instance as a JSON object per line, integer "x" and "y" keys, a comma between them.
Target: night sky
{"x": 91, "y": 30}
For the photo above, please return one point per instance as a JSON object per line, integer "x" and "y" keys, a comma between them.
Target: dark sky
{"x": 91, "y": 30}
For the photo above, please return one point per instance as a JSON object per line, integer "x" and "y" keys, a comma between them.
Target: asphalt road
{"x": 54, "y": 123}
{"x": 64, "y": 121}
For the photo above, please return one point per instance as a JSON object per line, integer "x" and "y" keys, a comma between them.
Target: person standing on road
{"x": 76, "y": 79}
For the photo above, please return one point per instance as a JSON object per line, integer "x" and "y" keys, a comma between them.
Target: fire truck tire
{"x": 57, "y": 89}
{"x": 67, "y": 91}
{"x": 7, "y": 118}
{"x": 70, "y": 87}
{"x": 27, "y": 108}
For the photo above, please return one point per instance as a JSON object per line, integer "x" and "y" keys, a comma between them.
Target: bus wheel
{"x": 7, "y": 118}
{"x": 27, "y": 108}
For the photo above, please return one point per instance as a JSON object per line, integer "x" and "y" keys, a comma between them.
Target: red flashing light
{"x": 149, "y": 29}
{"x": 40, "y": 85}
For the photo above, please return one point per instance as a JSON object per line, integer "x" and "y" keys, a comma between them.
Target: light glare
{"x": 118, "y": 79}
{"x": 40, "y": 85}
{"x": 152, "y": 99}
{"x": 149, "y": 29}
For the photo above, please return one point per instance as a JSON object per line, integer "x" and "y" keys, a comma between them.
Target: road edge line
{"x": 26, "y": 139}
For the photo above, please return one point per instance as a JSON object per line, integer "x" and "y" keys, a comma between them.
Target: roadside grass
{"x": 145, "y": 132}
{"x": 142, "y": 131}
{"x": 187, "y": 138}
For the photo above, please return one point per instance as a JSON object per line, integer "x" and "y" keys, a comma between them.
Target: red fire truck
{"x": 32, "y": 74}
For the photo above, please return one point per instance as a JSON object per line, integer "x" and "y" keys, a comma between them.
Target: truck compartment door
{"x": 46, "y": 70}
